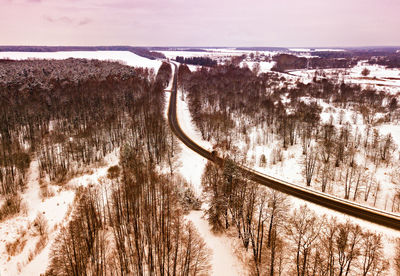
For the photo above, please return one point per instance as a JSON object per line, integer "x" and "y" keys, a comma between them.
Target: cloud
{"x": 67, "y": 20}
{"x": 84, "y": 21}
{"x": 62, "y": 19}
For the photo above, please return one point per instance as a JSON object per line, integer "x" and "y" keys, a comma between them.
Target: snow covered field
{"x": 54, "y": 210}
{"x": 212, "y": 53}
{"x": 125, "y": 57}
{"x": 264, "y": 65}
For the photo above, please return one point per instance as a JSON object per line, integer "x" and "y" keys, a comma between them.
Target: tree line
{"x": 286, "y": 62}
{"x": 202, "y": 61}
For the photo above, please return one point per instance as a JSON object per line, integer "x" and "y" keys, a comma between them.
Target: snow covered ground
{"x": 212, "y": 53}
{"x": 223, "y": 261}
{"x": 20, "y": 227}
{"x": 380, "y": 78}
{"x": 192, "y": 164}
{"x": 125, "y": 57}
{"x": 55, "y": 209}
{"x": 224, "y": 54}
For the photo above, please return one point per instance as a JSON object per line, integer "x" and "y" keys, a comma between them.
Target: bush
{"x": 15, "y": 247}
{"x": 276, "y": 156}
{"x": 113, "y": 172}
{"x": 11, "y": 206}
{"x": 263, "y": 160}
{"x": 40, "y": 224}
{"x": 365, "y": 72}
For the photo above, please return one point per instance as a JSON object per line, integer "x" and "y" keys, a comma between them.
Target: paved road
{"x": 341, "y": 205}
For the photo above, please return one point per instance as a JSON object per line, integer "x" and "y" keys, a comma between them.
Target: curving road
{"x": 341, "y": 205}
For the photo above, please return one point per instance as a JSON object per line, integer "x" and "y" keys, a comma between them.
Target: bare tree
{"x": 309, "y": 162}
{"x": 303, "y": 229}
{"x": 347, "y": 244}
{"x": 397, "y": 256}
{"x": 372, "y": 257}
{"x": 40, "y": 224}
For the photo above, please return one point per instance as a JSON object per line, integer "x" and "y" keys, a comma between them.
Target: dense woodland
{"x": 202, "y": 61}
{"x": 391, "y": 61}
{"x": 286, "y": 62}
{"x": 70, "y": 114}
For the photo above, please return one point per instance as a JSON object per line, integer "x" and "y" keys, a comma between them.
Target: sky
{"x": 286, "y": 23}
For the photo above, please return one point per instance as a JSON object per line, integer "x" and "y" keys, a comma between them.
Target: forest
{"x": 390, "y": 61}
{"x": 67, "y": 115}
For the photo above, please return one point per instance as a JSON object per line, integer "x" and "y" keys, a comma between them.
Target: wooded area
{"x": 71, "y": 114}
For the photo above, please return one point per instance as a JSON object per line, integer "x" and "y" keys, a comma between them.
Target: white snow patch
{"x": 223, "y": 262}
{"x": 393, "y": 129}
{"x": 264, "y": 65}
{"x": 300, "y": 50}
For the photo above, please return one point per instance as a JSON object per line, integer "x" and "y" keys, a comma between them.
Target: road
{"x": 369, "y": 214}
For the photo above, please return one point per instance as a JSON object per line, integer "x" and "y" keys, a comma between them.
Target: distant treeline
{"x": 288, "y": 62}
{"x": 281, "y": 49}
{"x": 203, "y": 61}
{"x": 144, "y": 52}
{"x": 186, "y": 49}
{"x": 391, "y": 61}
